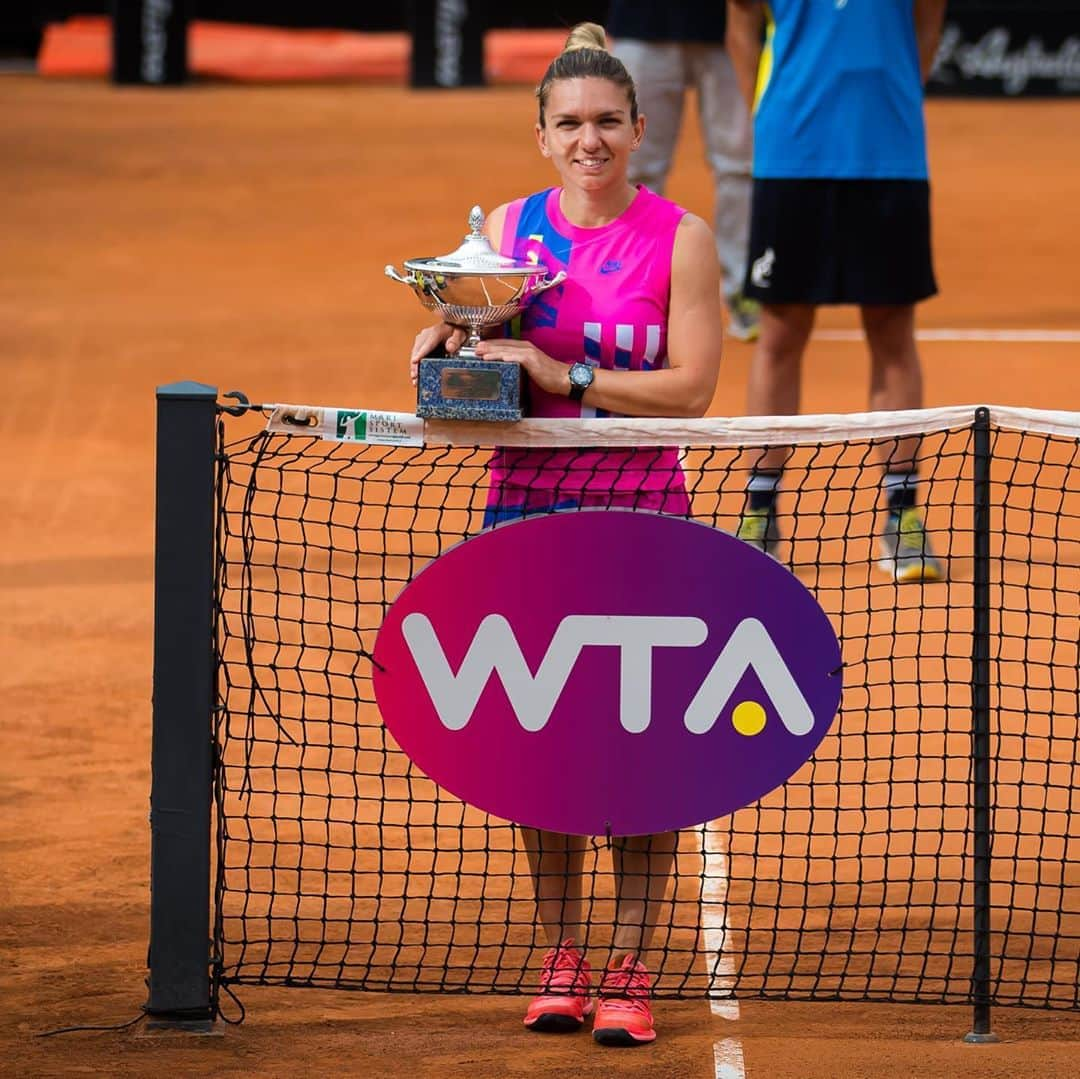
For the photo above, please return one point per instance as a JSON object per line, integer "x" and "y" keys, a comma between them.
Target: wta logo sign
{"x": 599, "y": 670}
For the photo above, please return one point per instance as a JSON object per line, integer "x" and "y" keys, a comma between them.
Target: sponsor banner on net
{"x": 347, "y": 425}
{"x": 376, "y": 428}
{"x": 607, "y": 671}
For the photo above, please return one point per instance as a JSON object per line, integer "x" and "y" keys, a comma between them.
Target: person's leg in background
{"x": 660, "y": 80}
{"x": 888, "y": 265}
{"x": 773, "y": 389}
{"x": 896, "y": 383}
{"x": 727, "y": 133}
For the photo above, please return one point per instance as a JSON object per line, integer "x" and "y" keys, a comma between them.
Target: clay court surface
{"x": 236, "y": 236}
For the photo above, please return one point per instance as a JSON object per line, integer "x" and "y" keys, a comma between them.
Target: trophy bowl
{"x": 474, "y": 288}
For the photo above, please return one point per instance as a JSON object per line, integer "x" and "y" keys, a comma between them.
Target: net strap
{"x": 399, "y": 428}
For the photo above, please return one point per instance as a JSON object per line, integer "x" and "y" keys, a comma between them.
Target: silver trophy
{"x": 474, "y": 288}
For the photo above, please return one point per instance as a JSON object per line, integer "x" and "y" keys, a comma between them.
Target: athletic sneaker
{"x": 565, "y": 991}
{"x": 623, "y": 1016}
{"x": 760, "y": 530}
{"x": 905, "y": 548}
{"x": 744, "y": 321}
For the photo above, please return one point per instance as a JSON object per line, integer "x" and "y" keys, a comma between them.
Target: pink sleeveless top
{"x": 612, "y": 312}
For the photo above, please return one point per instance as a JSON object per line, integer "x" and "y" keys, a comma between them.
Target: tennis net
{"x": 928, "y": 852}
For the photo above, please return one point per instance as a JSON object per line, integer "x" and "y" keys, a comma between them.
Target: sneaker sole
{"x": 925, "y": 573}
{"x": 620, "y": 1037}
{"x": 746, "y": 336}
{"x": 558, "y": 1023}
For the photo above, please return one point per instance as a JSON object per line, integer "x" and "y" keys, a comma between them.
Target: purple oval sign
{"x": 607, "y": 669}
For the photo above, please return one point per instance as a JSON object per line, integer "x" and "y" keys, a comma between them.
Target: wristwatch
{"x": 581, "y": 378}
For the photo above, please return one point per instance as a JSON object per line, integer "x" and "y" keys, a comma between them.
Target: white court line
{"x": 728, "y": 1058}
{"x": 727, "y": 1053}
{"x": 1040, "y": 337}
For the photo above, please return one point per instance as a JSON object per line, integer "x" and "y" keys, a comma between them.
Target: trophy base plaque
{"x": 449, "y": 388}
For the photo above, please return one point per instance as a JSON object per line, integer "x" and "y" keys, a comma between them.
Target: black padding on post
{"x": 447, "y": 43}
{"x": 149, "y": 41}
{"x": 181, "y": 759}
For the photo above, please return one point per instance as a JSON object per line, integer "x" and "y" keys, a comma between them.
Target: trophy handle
{"x": 391, "y": 272}
{"x": 558, "y": 279}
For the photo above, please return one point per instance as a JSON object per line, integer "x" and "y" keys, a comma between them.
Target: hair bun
{"x": 586, "y": 35}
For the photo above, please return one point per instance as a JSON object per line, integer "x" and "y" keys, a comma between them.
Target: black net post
{"x": 181, "y": 758}
{"x": 447, "y": 43}
{"x": 149, "y": 42}
{"x": 980, "y": 733}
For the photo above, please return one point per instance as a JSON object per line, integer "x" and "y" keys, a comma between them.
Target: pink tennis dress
{"x": 611, "y": 312}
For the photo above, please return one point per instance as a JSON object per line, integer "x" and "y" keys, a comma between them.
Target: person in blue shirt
{"x": 840, "y": 215}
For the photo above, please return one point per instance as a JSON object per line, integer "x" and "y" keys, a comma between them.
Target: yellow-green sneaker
{"x": 760, "y": 530}
{"x": 905, "y": 548}
{"x": 744, "y": 318}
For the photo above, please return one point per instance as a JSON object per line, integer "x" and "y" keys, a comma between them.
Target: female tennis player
{"x": 634, "y": 330}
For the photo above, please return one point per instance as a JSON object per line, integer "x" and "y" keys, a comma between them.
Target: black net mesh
{"x": 340, "y": 865}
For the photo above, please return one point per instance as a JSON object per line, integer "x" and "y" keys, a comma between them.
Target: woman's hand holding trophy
{"x": 472, "y": 289}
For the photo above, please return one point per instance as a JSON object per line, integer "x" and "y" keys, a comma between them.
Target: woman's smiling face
{"x": 587, "y": 132}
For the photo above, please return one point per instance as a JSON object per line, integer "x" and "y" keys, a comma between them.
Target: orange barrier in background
{"x": 82, "y": 47}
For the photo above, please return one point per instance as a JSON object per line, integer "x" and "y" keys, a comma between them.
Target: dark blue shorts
{"x": 497, "y": 515}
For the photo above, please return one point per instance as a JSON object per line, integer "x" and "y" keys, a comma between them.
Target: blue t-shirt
{"x": 839, "y": 92}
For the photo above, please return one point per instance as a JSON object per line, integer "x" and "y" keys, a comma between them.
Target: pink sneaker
{"x": 623, "y": 1016}
{"x": 565, "y": 996}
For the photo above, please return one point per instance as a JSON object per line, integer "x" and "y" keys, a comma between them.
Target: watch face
{"x": 580, "y": 375}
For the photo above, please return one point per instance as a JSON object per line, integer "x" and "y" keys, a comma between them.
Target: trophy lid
{"x": 474, "y": 256}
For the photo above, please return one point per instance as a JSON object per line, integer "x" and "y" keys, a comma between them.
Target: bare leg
{"x": 776, "y": 369}
{"x": 556, "y": 861}
{"x": 896, "y": 383}
{"x": 895, "y": 373}
{"x": 642, "y": 867}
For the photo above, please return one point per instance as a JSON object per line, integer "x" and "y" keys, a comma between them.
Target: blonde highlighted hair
{"x": 585, "y": 56}
{"x": 586, "y": 35}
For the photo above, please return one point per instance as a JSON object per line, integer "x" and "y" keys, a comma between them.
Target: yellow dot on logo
{"x": 748, "y": 718}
